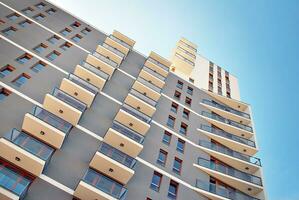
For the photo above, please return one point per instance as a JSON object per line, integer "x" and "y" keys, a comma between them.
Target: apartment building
{"x": 83, "y": 115}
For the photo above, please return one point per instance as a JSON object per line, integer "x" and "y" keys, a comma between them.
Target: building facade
{"x": 83, "y": 115}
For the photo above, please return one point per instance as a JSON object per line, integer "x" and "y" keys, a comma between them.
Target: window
{"x": 191, "y": 80}
{"x": 77, "y": 38}
{"x": 25, "y": 23}
{"x": 13, "y": 16}
{"x": 85, "y": 31}
{"x": 40, "y": 5}
{"x": 38, "y": 66}
{"x": 4, "y": 93}
{"x": 180, "y": 145}
{"x": 186, "y": 113}
{"x": 180, "y": 84}
{"x": 174, "y": 107}
{"x": 183, "y": 128}
{"x": 166, "y": 137}
{"x": 28, "y": 10}
{"x": 210, "y": 86}
{"x": 51, "y": 11}
{"x": 54, "y": 39}
{"x": 40, "y": 48}
{"x": 9, "y": 31}
{"x": 219, "y": 90}
{"x": 162, "y": 157}
{"x": 75, "y": 25}
{"x": 228, "y": 94}
{"x": 177, "y": 95}
{"x": 39, "y": 17}
{"x": 190, "y": 90}
{"x": 177, "y": 165}
{"x": 21, "y": 80}
{"x": 2, "y": 22}
{"x": 24, "y": 58}
{"x": 6, "y": 70}
{"x": 156, "y": 181}
{"x": 53, "y": 55}
{"x": 211, "y": 78}
{"x": 65, "y": 31}
{"x": 188, "y": 101}
{"x": 173, "y": 189}
{"x": 66, "y": 46}
{"x": 170, "y": 121}
{"x": 147, "y": 198}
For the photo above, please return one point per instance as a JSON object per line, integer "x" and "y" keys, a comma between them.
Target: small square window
{"x": 54, "y": 39}
{"x": 166, "y": 137}
{"x": 6, "y": 70}
{"x": 174, "y": 107}
{"x": 21, "y": 80}
{"x": 39, "y": 17}
{"x": 4, "y": 93}
{"x": 173, "y": 190}
{"x": 51, "y": 11}
{"x": 170, "y": 121}
{"x": 186, "y": 113}
{"x": 180, "y": 146}
{"x": 162, "y": 157}
{"x": 66, "y": 46}
{"x": 40, "y": 48}
{"x": 183, "y": 128}
{"x": 75, "y": 25}
{"x": 13, "y": 16}
{"x": 65, "y": 31}
{"x": 188, "y": 101}
{"x": 25, "y": 23}
{"x": 40, "y": 5}
{"x": 177, "y": 95}
{"x": 24, "y": 58}
{"x": 190, "y": 90}
{"x": 180, "y": 84}
{"x": 177, "y": 165}
{"x": 156, "y": 181}
{"x": 28, "y": 10}
{"x": 85, "y": 31}
{"x": 53, "y": 55}
{"x": 9, "y": 31}
{"x": 38, "y": 66}
{"x": 77, "y": 38}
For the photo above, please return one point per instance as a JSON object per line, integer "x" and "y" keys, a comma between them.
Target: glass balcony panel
{"x": 104, "y": 59}
{"x": 69, "y": 100}
{"x": 156, "y": 74}
{"x": 128, "y": 132}
{"x": 143, "y": 97}
{"x": 75, "y": 79}
{"x": 94, "y": 70}
{"x": 114, "y": 50}
{"x": 148, "y": 84}
{"x": 120, "y": 41}
{"x": 159, "y": 64}
{"x": 136, "y": 113}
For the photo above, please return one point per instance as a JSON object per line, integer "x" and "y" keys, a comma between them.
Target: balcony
{"x": 149, "y": 77}
{"x": 136, "y": 113}
{"x": 143, "y": 89}
{"x": 189, "y": 45}
{"x": 140, "y": 105}
{"x": 150, "y": 63}
{"x": 122, "y": 39}
{"x": 101, "y": 64}
{"x": 108, "y": 53}
{"x": 95, "y": 70}
{"x": 105, "y": 59}
{"x": 12, "y": 185}
{"x": 186, "y": 51}
{"x": 228, "y": 125}
{"x": 236, "y": 159}
{"x": 114, "y": 50}
{"x": 113, "y": 163}
{"x": 185, "y": 54}
{"x": 95, "y": 185}
{"x": 118, "y": 44}
{"x": 245, "y": 182}
{"x": 239, "y": 144}
{"x": 154, "y": 73}
{"x": 84, "y": 84}
{"x": 25, "y": 151}
{"x": 124, "y": 139}
{"x": 218, "y": 192}
{"x": 149, "y": 84}
{"x": 143, "y": 97}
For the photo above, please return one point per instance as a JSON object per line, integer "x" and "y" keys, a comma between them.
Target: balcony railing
{"x": 186, "y": 52}
{"x": 225, "y": 108}
{"x": 227, "y": 135}
{"x": 128, "y": 132}
{"x": 120, "y": 41}
{"x": 95, "y": 70}
{"x": 105, "y": 184}
{"x": 156, "y": 74}
{"x": 51, "y": 119}
{"x": 158, "y": 63}
{"x": 187, "y": 45}
{"x": 229, "y": 171}
{"x": 117, "y": 155}
{"x": 184, "y": 59}
{"x": 69, "y": 99}
{"x": 104, "y": 59}
{"x": 13, "y": 182}
{"x": 114, "y": 50}
{"x": 75, "y": 79}
{"x": 148, "y": 84}
{"x": 227, "y": 121}
{"x": 222, "y": 191}
{"x": 136, "y": 113}
{"x": 143, "y": 97}
{"x": 30, "y": 144}
{"x": 230, "y": 152}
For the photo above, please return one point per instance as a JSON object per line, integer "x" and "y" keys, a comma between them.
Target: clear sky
{"x": 256, "y": 40}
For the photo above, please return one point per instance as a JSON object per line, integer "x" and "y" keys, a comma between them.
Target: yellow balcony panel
{"x": 143, "y": 89}
{"x": 117, "y": 45}
{"x": 188, "y": 44}
{"x": 185, "y": 55}
{"x": 62, "y": 109}
{"x": 77, "y": 91}
{"x": 160, "y": 59}
{"x": 43, "y": 131}
{"x": 151, "y": 78}
{"x": 109, "y": 54}
{"x": 123, "y": 38}
{"x": 90, "y": 77}
{"x": 182, "y": 66}
{"x": 156, "y": 68}
{"x": 140, "y": 105}
{"x": 112, "y": 168}
{"x": 7, "y": 195}
{"x": 99, "y": 64}
{"x": 181, "y": 46}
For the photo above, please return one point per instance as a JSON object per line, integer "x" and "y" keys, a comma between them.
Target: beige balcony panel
{"x": 130, "y": 121}
{"x": 107, "y": 53}
{"x": 100, "y": 65}
{"x": 185, "y": 55}
{"x": 112, "y": 168}
{"x": 140, "y": 105}
{"x": 90, "y": 77}
{"x": 21, "y": 158}
{"x": 188, "y": 42}
{"x": 160, "y": 59}
{"x": 117, "y": 45}
{"x": 181, "y": 45}
{"x": 7, "y": 195}
{"x": 123, "y": 143}
{"x": 43, "y": 131}
{"x": 152, "y": 78}
{"x": 146, "y": 90}
{"x": 156, "y": 68}
{"x": 232, "y": 181}
{"x": 210, "y": 195}
{"x": 124, "y": 38}
{"x": 182, "y": 66}
{"x": 61, "y": 109}
{"x": 85, "y": 191}
{"x": 77, "y": 91}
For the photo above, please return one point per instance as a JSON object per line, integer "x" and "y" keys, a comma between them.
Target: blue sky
{"x": 256, "y": 40}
